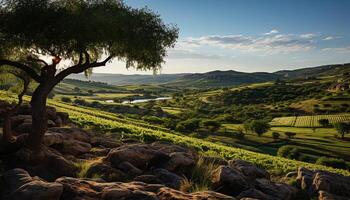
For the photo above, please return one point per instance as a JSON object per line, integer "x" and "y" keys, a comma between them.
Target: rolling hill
{"x": 215, "y": 78}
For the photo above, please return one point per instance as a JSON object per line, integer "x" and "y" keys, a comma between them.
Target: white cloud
{"x": 273, "y": 31}
{"x": 268, "y": 44}
{"x": 331, "y": 38}
{"x": 338, "y": 49}
{"x": 186, "y": 54}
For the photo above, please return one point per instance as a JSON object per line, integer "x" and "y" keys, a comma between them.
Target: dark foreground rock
{"x": 326, "y": 185}
{"x": 20, "y": 185}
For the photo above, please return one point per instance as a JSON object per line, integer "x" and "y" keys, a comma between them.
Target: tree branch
{"x": 76, "y": 69}
{"x": 37, "y": 60}
{"x": 31, "y": 72}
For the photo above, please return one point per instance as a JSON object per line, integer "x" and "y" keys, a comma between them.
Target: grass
{"x": 84, "y": 166}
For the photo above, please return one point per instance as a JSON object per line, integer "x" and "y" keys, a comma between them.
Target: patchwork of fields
{"x": 107, "y": 122}
{"x": 309, "y": 121}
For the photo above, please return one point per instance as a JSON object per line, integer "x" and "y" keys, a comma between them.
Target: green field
{"x": 107, "y": 122}
{"x": 309, "y": 121}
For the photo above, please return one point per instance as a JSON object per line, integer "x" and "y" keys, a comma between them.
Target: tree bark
{"x": 7, "y": 131}
{"x": 39, "y": 116}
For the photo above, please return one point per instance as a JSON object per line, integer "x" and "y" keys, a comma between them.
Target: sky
{"x": 250, "y": 35}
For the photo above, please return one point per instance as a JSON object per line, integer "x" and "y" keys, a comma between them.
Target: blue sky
{"x": 251, "y": 35}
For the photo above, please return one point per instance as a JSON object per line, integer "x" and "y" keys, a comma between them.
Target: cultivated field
{"x": 309, "y": 121}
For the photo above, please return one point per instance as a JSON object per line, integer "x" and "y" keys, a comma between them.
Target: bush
{"x": 323, "y": 122}
{"x": 332, "y": 162}
{"x": 259, "y": 126}
{"x": 275, "y": 135}
{"x": 66, "y": 99}
{"x": 211, "y": 125}
{"x": 188, "y": 125}
{"x": 289, "y": 152}
{"x": 290, "y": 134}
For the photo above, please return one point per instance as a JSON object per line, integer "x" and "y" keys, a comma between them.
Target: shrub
{"x": 259, "y": 126}
{"x": 211, "y": 125}
{"x": 275, "y": 135}
{"x": 290, "y": 134}
{"x": 342, "y": 128}
{"x": 289, "y": 152}
{"x": 323, "y": 122}
{"x": 66, "y": 99}
{"x": 332, "y": 162}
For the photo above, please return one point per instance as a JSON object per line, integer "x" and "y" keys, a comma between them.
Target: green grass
{"x": 87, "y": 117}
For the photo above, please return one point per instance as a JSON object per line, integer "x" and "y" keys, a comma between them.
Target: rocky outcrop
{"x": 325, "y": 184}
{"x": 19, "y": 185}
{"x": 22, "y": 121}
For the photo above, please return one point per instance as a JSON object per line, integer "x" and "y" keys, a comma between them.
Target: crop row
{"x": 309, "y": 121}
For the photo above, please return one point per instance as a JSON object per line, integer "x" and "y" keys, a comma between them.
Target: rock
{"x": 20, "y": 185}
{"x": 331, "y": 183}
{"x": 276, "y": 190}
{"x": 106, "y": 172}
{"x": 73, "y": 134}
{"x": 254, "y": 194}
{"x": 167, "y": 178}
{"x": 58, "y": 122}
{"x": 51, "y": 138}
{"x": 60, "y": 166}
{"x": 129, "y": 169}
{"x": 142, "y": 156}
{"x": 304, "y": 178}
{"x": 249, "y": 170}
{"x": 148, "y": 178}
{"x": 23, "y": 128}
{"x": 88, "y": 189}
{"x": 180, "y": 162}
{"x": 75, "y": 147}
{"x": 105, "y": 142}
{"x": 323, "y": 195}
{"x": 171, "y": 194}
{"x": 51, "y": 113}
{"x": 228, "y": 181}
{"x": 63, "y": 116}
{"x": 315, "y": 181}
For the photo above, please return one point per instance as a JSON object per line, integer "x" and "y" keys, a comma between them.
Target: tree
{"x": 211, "y": 125}
{"x": 85, "y": 33}
{"x": 275, "y": 135}
{"x": 324, "y": 122}
{"x": 290, "y": 135}
{"x": 259, "y": 127}
{"x": 23, "y": 84}
{"x": 342, "y": 128}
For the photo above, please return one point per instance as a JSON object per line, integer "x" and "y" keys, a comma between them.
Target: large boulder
{"x": 19, "y": 185}
{"x": 249, "y": 170}
{"x": 75, "y": 147}
{"x": 229, "y": 181}
{"x": 313, "y": 182}
{"x": 171, "y": 194}
{"x": 276, "y": 190}
{"x": 106, "y": 172}
{"x": 73, "y": 134}
{"x": 323, "y": 195}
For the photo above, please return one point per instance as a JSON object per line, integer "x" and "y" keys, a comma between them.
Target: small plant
{"x": 342, "y": 128}
{"x": 66, "y": 99}
{"x": 200, "y": 179}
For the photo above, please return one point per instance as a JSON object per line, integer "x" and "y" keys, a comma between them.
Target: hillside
{"x": 215, "y": 79}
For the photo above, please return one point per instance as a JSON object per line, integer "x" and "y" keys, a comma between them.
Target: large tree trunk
{"x": 39, "y": 116}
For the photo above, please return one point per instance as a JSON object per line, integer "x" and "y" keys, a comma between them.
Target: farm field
{"x": 309, "y": 121}
{"x": 106, "y": 122}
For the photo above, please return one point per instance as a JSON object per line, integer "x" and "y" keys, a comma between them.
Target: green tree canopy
{"x": 84, "y": 34}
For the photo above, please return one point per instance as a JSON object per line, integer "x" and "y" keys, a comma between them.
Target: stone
{"x": 142, "y": 156}
{"x": 171, "y": 194}
{"x": 105, "y": 142}
{"x": 129, "y": 169}
{"x": 323, "y": 195}
{"x": 63, "y": 116}
{"x": 75, "y": 147}
{"x": 20, "y": 185}
{"x": 167, "y": 178}
{"x": 254, "y": 194}
{"x": 276, "y": 190}
{"x": 228, "y": 181}
{"x": 73, "y": 134}
{"x": 106, "y": 172}
{"x": 180, "y": 162}
{"x": 51, "y": 138}
{"x": 249, "y": 170}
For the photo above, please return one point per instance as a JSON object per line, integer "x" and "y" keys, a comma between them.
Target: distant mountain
{"x": 325, "y": 70}
{"x": 215, "y": 78}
